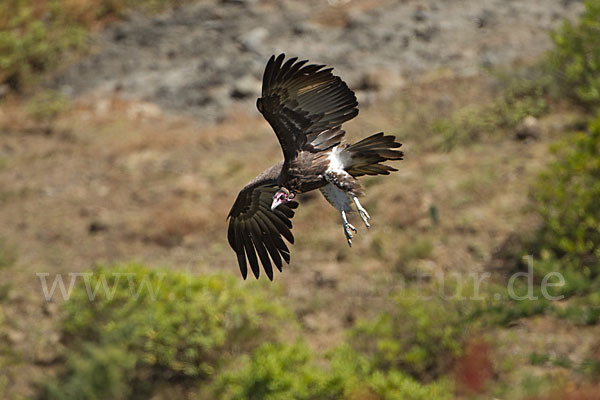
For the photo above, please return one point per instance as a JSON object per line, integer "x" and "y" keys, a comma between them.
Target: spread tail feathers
{"x": 368, "y": 154}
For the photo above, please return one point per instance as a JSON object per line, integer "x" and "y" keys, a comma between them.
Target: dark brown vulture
{"x": 306, "y": 106}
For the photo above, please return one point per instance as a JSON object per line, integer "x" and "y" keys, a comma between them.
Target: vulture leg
{"x": 348, "y": 228}
{"x": 364, "y": 215}
{"x": 339, "y": 199}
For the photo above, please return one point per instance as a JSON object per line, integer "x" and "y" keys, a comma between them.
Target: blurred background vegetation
{"x": 162, "y": 332}
{"x": 35, "y": 36}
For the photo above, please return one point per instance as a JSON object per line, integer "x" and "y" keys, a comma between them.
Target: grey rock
{"x": 426, "y": 33}
{"x": 239, "y": 2}
{"x": 484, "y": 19}
{"x": 253, "y": 39}
{"x": 529, "y": 128}
{"x": 421, "y": 15}
{"x": 247, "y": 86}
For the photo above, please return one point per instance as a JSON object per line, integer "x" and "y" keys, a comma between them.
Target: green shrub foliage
{"x": 145, "y": 326}
{"x": 286, "y": 372}
{"x": 131, "y": 331}
{"x": 522, "y": 97}
{"x": 30, "y": 44}
{"x": 392, "y": 385}
{"x": 35, "y": 35}
{"x": 576, "y": 56}
{"x": 421, "y": 334}
{"x": 274, "y": 372}
{"x": 567, "y": 195}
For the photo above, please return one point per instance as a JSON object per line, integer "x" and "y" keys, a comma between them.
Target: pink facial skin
{"x": 278, "y": 199}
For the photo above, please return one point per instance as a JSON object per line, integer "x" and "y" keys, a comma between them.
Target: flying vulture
{"x": 306, "y": 105}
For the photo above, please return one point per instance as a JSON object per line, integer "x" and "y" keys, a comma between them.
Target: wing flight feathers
{"x": 301, "y": 101}
{"x": 255, "y": 229}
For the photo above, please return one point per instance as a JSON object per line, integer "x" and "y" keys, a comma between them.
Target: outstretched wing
{"x": 256, "y": 229}
{"x": 302, "y": 101}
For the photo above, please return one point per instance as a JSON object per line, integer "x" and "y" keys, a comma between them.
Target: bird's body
{"x": 306, "y": 106}
{"x": 305, "y": 173}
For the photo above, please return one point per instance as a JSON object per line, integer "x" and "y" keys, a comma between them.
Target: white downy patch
{"x": 338, "y": 160}
{"x": 337, "y": 197}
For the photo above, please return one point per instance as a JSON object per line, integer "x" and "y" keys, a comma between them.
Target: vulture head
{"x": 283, "y": 195}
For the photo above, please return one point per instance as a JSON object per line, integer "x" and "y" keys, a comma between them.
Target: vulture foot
{"x": 348, "y": 228}
{"x": 364, "y": 215}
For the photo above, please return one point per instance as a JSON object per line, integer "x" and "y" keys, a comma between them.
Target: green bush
{"x": 419, "y": 334}
{"x": 30, "y": 44}
{"x": 522, "y": 96}
{"x": 275, "y": 372}
{"x": 145, "y": 326}
{"x": 575, "y": 58}
{"x": 568, "y": 242}
{"x": 393, "y": 385}
{"x": 131, "y": 331}
{"x": 36, "y": 35}
{"x": 567, "y": 196}
{"x": 499, "y": 308}
{"x": 582, "y": 310}
{"x": 286, "y": 372}
{"x": 353, "y": 375}
{"x": 46, "y": 105}
{"x": 97, "y": 372}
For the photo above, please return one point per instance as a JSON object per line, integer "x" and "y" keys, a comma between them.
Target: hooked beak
{"x": 276, "y": 203}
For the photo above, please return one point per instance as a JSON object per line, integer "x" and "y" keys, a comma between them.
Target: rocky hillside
{"x": 201, "y": 58}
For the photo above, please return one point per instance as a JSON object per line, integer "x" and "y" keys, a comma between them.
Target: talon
{"x": 349, "y": 240}
{"x": 348, "y": 236}
{"x": 348, "y": 228}
{"x": 364, "y": 215}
